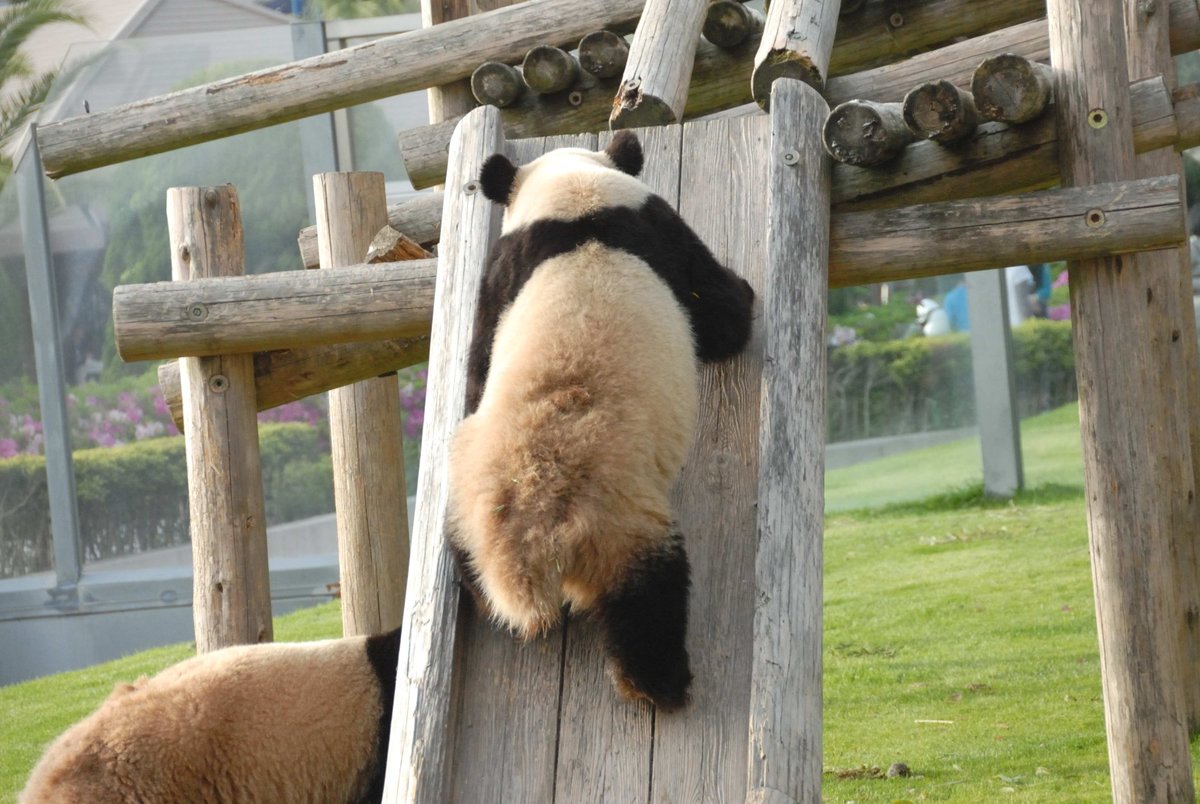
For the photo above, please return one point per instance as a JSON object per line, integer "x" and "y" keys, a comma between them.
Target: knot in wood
{"x": 185, "y": 252}
{"x": 1146, "y": 8}
{"x": 210, "y": 197}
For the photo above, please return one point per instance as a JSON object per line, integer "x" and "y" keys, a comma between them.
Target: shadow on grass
{"x": 972, "y": 497}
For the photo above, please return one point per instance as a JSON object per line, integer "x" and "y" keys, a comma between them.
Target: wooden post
{"x": 797, "y": 42}
{"x": 1149, "y": 54}
{"x": 421, "y": 720}
{"x": 1134, "y": 446}
{"x": 231, "y": 599}
{"x": 785, "y": 692}
{"x": 364, "y": 429}
{"x": 654, "y": 86}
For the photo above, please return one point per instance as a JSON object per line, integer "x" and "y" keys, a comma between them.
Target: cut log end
{"x": 729, "y": 23}
{"x": 864, "y": 133}
{"x": 1011, "y": 88}
{"x": 549, "y": 69}
{"x": 603, "y": 54}
{"x": 783, "y": 64}
{"x": 941, "y": 112}
{"x": 392, "y": 246}
{"x": 634, "y": 109}
{"x": 497, "y": 84}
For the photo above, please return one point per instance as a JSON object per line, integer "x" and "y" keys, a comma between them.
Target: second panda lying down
{"x": 256, "y": 723}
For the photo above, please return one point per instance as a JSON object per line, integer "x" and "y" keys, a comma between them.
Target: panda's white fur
{"x": 278, "y": 723}
{"x": 597, "y": 304}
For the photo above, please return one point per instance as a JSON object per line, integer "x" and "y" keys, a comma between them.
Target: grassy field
{"x": 959, "y": 639}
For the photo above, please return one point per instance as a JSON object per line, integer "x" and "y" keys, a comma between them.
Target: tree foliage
{"x": 353, "y": 9}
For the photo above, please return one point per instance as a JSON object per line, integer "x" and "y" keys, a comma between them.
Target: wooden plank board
{"x": 420, "y": 743}
{"x": 508, "y": 712}
{"x": 700, "y": 753}
{"x": 605, "y": 742}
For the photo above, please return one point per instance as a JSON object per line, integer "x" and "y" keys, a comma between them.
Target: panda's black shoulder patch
{"x": 383, "y": 655}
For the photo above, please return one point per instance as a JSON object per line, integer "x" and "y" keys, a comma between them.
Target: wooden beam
{"x": 1011, "y": 88}
{"x": 941, "y": 112}
{"x": 286, "y": 310}
{"x": 285, "y": 375}
{"x": 797, "y": 42}
{"x": 393, "y": 65}
{"x": 231, "y": 597}
{"x": 421, "y": 718}
{"x": 419, "y": 218}
{"x": 369, "y": 492}
{"x": 785, "y": 685}
{"x": 948, "y": 237}
{"x": 548, "y": 69}
{"x": 728, "y": 23}
{"x": 1125, "y": 361}
{"x": 866, "y": 133}
{"x": 497, "y": 84}
{"x": 654, "y": 86}
{"x": 604, "y": 54}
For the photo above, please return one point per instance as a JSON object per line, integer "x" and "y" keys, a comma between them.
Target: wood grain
{"x": 1131, "y": 440}
{"x": 288, "y": 309}
{"x": 654, "y": 86}
{"x": 370, "y": 495}
{"x": 231, "y": 598}
{"x": 941, "y": 112}
{"x": 797, "y": 42}
{"x": 285, "y": 375}
{"x": 784, "y": 754}
{"x": 418, "y": 758}
{"x": 994, "y": 232}
{"x": 429, "y": 57}
{"x": 700, "y": 753}
{"x": 1011, "y": 88}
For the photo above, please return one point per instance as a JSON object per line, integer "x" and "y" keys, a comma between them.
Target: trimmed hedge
{"x": 133, "y": 498}
{"x": 918, "y": 384}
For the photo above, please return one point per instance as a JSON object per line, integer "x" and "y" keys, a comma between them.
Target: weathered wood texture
{"x": 1134, "y": 450}
{"x": 393, "y": 65}
{"x": 289, "y": 309}
{"x": 941, "y": 112}
{"x": 728, "y": 23}
{"x": 1012, "y": 88}
{"x": 417, "y": 762}
{"x": 866, "y": 133}
{"x": 720, "y": 80}
{"x": 784, "y": 755}
{"x": 497, "y": 83}
{"x": 548, "y": 69}
{"x": 419, "y": 218}
{"x": 369, "y": 491}
{"x": 1070, "y": 224}
{"x": 797, "y": 42}
{"x": 285, "y": 375}
{"x": 654, "y": 86}
{"x": 603, "y": 54}
{"x": 1149, "y": 54}
{"x": 231, "y": 597}
{"x": 997, "y": 159}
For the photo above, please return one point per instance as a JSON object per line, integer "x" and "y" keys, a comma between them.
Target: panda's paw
{"x": 666, "y": 689}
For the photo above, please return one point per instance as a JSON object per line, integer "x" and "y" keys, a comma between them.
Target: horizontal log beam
{"x": 285, "y": 375}
{"x": 285, "y": 310}
{"x": 419, "y": 218}
{"x": 951, "y": 237}
{"x": 378, "y": 69}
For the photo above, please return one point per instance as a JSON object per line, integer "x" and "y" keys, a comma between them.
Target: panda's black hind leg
{"x": 645, "y": 625}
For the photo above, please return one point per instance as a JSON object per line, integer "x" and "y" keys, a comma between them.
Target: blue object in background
{"x": 955, "y": 305}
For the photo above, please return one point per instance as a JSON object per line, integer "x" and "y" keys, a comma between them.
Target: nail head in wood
{"x": 470, "y": 188}
{"x": 218, "y": 383}
{"x": 197, "y": 311}
{"x": 1095, "y": 218}
{"x": 1097, "y": 118}
{"x": 897, "y": 20}
{"x": 791, "y": 158}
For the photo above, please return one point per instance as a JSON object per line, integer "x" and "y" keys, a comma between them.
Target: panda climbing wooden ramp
{"x": 480, "y": 717}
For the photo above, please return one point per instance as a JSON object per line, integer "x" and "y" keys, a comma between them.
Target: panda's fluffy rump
{"x": 560, "y": 478}
{"x": 256, "y": 723}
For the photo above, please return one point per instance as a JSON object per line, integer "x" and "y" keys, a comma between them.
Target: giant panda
{"x": 279, "y": 722}
{"x": 596, "y": 305}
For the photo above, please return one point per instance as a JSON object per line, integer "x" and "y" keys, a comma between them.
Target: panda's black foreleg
{"x": 645, "y": 624}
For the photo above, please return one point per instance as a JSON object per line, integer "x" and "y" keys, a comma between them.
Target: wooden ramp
{"x": 480, "y": 717}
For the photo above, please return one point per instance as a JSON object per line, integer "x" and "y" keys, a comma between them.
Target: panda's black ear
{"x": 497, "y": 177}
{"x": 626, "y": 152}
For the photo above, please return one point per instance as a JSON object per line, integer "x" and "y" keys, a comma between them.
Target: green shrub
{"x": 916, "y": 384}
{"x": 133, "y": 498}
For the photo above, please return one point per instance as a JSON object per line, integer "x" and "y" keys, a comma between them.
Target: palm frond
{"x": 20, "y": 20}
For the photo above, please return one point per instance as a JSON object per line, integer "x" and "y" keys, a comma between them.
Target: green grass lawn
{"x": 960, "y": 639}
